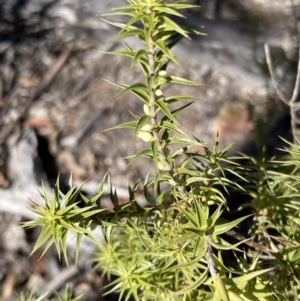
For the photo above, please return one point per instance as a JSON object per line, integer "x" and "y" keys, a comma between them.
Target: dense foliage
{"x": 179, "y": 246}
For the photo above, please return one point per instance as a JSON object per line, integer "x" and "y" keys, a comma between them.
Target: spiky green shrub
{"x": 175, "y": 247}
{"x": 31, "y": 296}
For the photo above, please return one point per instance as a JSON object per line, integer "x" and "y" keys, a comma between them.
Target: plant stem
{"x": 152, "y": 105}
{"x": 151, "y": 57}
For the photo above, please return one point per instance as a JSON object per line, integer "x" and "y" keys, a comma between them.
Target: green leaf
{"x": 182, "y": 81}
{"x": 176, "y": 98}
{"x": 154, "y": 148}
{"x": 170, "y": 25}
{"x": 161, "y": 104}
{"x": 78, "y": 242}
{"x": 193, "y": 286}
{"x": 130, "y": 124}
{"x": 220, "y": 287}
{"x": 186, "y": 171}
{"x": 129, "y": 53}
{"x": 164, "y": 48}
{"x": 143, "y": 153}
{"x": 201, "y": 216}
{"x": 133, "y": 31}
{"x": 192, "y": 263}
{"x": 131, "y": 6}
{"x": 88, "y": 214}
{"x": 220, "y": 244}
{"x": 242, "y": 281}
{"x": 191, "y": 216}
{"x": 64, "y": 237}
{"x": 222, "y": 228}
{"x": 45, "y": 234}
{"x": 200, "y": 246}
{"x": 198, "y": 231}
{"x": 197, "y": 179}
{"x": 97, "y": 197}
{"x": 137, "y": 90}
{"x": 65, "y": 210}
{"x": 181, "y": 109}
{"x": 142, "y": 121}
{"x": 170, "y": 126}
{"x": 132, "y": 88}
{"x": 188, "y": 236}
{"x": 184, "y": 140}
{"x": 132, "y": 53}
{"x": 116, "y": 24}
{"x": 180, "y": 151}
{"x": 125, "y": 32}
{"x": 182, "y": 6}
{"x": 137, "y": 58}
{"x": 167, "y": 10}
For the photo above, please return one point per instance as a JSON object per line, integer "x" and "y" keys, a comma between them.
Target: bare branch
{"x": 210, "y": 261}
{"x": 270, "y": 66}
{"x": 250, "y": 243}
{"x": 297, "y": 83}
{"x": 294, "y": 107}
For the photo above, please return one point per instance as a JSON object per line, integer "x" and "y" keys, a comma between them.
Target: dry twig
{"x": 61, "y": 279}
{"x": 294, "y": 107}
{"x": 249, "y": 242}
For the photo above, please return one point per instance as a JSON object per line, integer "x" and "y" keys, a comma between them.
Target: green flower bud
{"x": 147, "y": 110}
{"x": 148, "y": 127}
{"x": 146, "y": 136}
{"x": 162, "y": 73}
{"x": 158, "y": 92}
